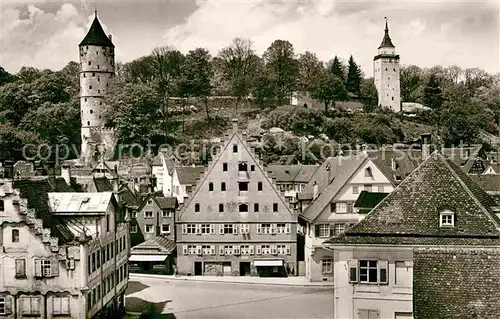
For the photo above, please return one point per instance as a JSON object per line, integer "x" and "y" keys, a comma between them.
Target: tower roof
{"x": 386, "y": 41}
{"x": 96, "y": 35}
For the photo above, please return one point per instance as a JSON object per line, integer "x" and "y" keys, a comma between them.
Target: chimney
{"x": 394, "y": 165}
{"x": 110, "y": 37}
{"x": 235, "y": 126}
{"x": 426, "y": 145}
{"x": 66, "y": 173}
{"x": 315, "y": 190}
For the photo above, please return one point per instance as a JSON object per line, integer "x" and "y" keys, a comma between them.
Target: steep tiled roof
{"x": 306, "y": 173}
{"x": 36, "y": 192}
{"x": 490, "y": 183}
{"x": 188, "y": 174}
{"x": 386, "y": 41}
{"x": 341, "y": 170}
{"x": 405, "y": 162}
{"x": 103, "y": 184}
{"x": 369, "y": 199}
{"x": 463, "y": 157}
{"x": 456, "y": 283}
{"x": 283, "y": 173}
{"x": 159, "y": 245}
{"x": 96, "y": 35}
{"x": 167, "y": 202}
{"x": 128, "y": 196}
{"x": 410, "y": 214}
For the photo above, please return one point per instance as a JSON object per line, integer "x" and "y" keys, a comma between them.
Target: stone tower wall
{"x": 387, "y": 81}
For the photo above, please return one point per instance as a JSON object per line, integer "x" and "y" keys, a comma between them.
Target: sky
{"x": 46, "y": 34}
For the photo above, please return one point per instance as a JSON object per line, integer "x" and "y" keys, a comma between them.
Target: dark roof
{"x": 490, "y": 183}
{"x": 463, "y": 157}
{"x": 102, "y": 184}
{"x": 96, "y": 35}
{"x": 189, "y": 174}
{"x": 369, "y": 199}
{"x": 410, "y": 214}
{"x": 159, "y": 245}
{"x": 386, "y": 41}
{"x": 36, "y": 192}
{"x": 167, "y": 202}
{"x": 456, "y": 283}
{"x": 405, "y": 161}
{"x": 128, "y": 196}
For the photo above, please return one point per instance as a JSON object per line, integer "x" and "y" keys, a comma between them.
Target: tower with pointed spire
{"x": 386, "y": 74}
{"x": 97, "y": 71}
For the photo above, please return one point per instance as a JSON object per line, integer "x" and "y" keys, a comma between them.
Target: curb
{"x": 231, "y": 282}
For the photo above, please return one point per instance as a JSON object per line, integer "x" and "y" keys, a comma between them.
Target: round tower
{"x": 97, "y": 71}
{"x": 386, "y": 74}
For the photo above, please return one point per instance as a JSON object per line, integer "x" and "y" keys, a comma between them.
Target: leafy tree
{"x": 196, "y": 77}
{"x": 337, "y": 68}
{"x": 239, "y": 66}
{"x": 264, "y": 91}
{"x": 369, "y": 95}
{"x": 310, "y": 70}
{"x": 339, "y": 129}
{"x": 13, "y": 140}
{"x": 6, "y": 77}
{"x": 354, "y": 77}
{"x": 330, "y": 90}
{"x": 140, "y": 70}
{"x": 296, "y": 119}
{"x": 411, "y": 80}
{"x": 282, "y": 68}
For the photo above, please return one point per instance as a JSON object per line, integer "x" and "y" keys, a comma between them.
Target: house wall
{"x": 157, "y": 220}
{"x": 396, "y": 296}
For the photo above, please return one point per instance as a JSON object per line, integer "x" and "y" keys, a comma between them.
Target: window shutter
{"x": 353, "y": 270}
{"x": 251, "y": 250}
{"x": 349, "y": 207}
{"x": 236, "y": 250}
{"x": 316, "y": 230}
{"x": 259, "y": 229}
{"x": 199, "y": 251}
{"x": 363, "y": 314}
{"x": 373, "y": 314}
{"x": 274, "y": 229}
{"x": 198, "y": 229}
{"x": 221, "y": 250}
{"x": 235, "y": 229}
{"x": 212, "y": 229}
{"x": 184, "y": 229}
{"x": 383, "y": 266}
{"x": 258, "y": 249}
{"x": 288, "y": 228}
{"x": 65, "y": 305}
{"x": 54, "y": 268}
{"x": 184, "y": 249}
{"x": 212, "y": 249}
{"x": 274, "y": 250}
{"x": 56, "y": 304}
{"x": 288, "y": 250}
{"x": 221, "y": 229}
{"x": 38, "y": 268}
{"x": 332, "y": 230}
{"x": 8, "y": 304}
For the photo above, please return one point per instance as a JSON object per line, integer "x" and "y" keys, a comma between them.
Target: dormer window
{"x": 447, "y": 218}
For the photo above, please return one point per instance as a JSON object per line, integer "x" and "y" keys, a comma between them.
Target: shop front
{"x": 270, "y": 268}
{"x": 155, "y": 256}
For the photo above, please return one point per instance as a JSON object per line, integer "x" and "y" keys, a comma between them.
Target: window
{"x": 243, "y": 186}
{"x": 275, "y": 207}
{"x": 165, "y": 228}
{"x": 381, "y": 189}
{"x": 245, "y": 249}
{"x": 30, "y": 305}
{"x": 15, "y": 235}
{"x": 256, "y": 207}
{"x": 324, "y": 230}
{"x": 368, "y": 271}
{"x": 107, "y": 223}
{"x": 327, "y": 266}
{"x": 223, "y": 187}
{"x": 210, "y": 187}
{"x": 206, "y": 249}
{"x": 148, "y": 214}
{"x": 91, "y": 112}
{"x": 368, "y": 172}
{"x": 191, "y": 229}
{"x": 447, "y": 219}
{"x": 235, "y": 148}
{"x": 191, "y": 249}
{"x": 224, "y": 167}
{"x": 90, "y": 62}
{"x": 93, "y": 73}
{"x": 242, "y": 167}
{"x": 228, "y": 250}
{"x": 333, "y": 207}
{"x": 281, "y": 228}
{"x": 368, "y": 314}
{"x": 228, "y": 228}
{"x": 266, "y": 249}
{"x": 196, "y": 208}
{"x": 338, "y": 228}
{"x": 90, "y": 87}
{"x": 150, "y": 202}
{"x": 259, "y": 186}
{"x": 88, "y": 123}
{"x": 166, "y": 214}
{"x": 221, "y": 208}
{"x": 266, "y": 228}
{"x": 133, "y": 229}
{"x": 243, "y": 208}
{"x": 20, "y": 268}
{"x": 2, "y": 205}
{"x": 148, "y": 228}
{"x": 355, "y": 189}
{"x": 205, "y": 228}
{"x": 3, "y": 306}
{"x": 133, "y": 214}
{"x": 341, "y": 208}
{"x": 367, "y": 187}
{"x": 252, "y": 168}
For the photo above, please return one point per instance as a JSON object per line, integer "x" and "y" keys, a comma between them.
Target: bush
{"x": 296, "y": 119}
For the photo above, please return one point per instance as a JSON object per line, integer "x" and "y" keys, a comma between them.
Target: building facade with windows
{"x": 327, "y": 207}
{"x": 64, "y": 254}
{"x": 236, "y": 221}
{"x": 428, "y": 250}
{"x": 292, "y": 179}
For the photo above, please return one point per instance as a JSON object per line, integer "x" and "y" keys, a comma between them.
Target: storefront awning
{"x": 268, "y": 263}
{"x": 148, "y": 258}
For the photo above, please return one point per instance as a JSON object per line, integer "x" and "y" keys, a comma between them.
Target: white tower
{"x": 97, "y": 70}
{"x": 386, "y": 74}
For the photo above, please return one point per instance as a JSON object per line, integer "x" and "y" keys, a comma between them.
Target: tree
{"x": 140, "y": 70}
{"x": 411, "y": 80}
{"x": 369, "y": 95}
{"x": 6, "y": 77}
{"x": 13, "y": 140}
{"x": 239, "y": 66}
{"x": 354, "y": 77}
{"x": 330, "y": 90}
{"x": 337, "y": 68}
{"x": 310, "y": 69}
{"x": 433, "y": 97}
{"x": 282, "y": 68}
{"x": 197, "y": 72}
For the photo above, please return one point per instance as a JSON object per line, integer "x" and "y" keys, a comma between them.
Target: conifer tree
{"x": 354, "y": 77}
{"x": 337, "y": 68}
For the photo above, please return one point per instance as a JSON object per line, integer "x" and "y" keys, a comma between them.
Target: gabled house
{"x": 184, "y": 180}
{"x": 428, "y": 250}
{"x": 327, "y": 207}
{"x": 163, "y": 168}
{"x": 236, "y": 221}
{"x": 291, "y": 179}
{"x": 156, "y": 255}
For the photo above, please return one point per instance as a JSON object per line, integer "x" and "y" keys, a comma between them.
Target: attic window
{"x": 368, "y": 172}
{"x": 447, "y": 218}
{"x": 242, "y": 167}
{"x": 235, "y": 148}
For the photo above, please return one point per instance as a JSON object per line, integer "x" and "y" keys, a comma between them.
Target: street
{"x": 187, "y": 299}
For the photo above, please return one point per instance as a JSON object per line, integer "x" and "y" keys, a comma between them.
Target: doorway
{"x": 198, "y": 266}
{"x": 244, "y": 268}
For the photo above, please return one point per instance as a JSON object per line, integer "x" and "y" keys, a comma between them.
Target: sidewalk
{"x": 289, "y": 281}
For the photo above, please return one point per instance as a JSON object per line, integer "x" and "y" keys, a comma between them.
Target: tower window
{"x": 90, "y": 62}
{"x": 90, "y": 87}
{"x": 393, "y": 98}
{"x": 221, "y": 208}
{"x": 91, "y": 112}
{"x": 394, "y": 69}
{"x": 223, "y": 187}
{"x": 88, "y": 123}
{"x": 98, "y": 79}
{"x": 98, "y": 66}
{"x": 386, "y": 69}
{"x": 84, "y": 75}
{"x": 99, "y": 117}
{"x": 100, "y": 103}
{"x": 388, "y": 78}
{"x": 85, "y": 99}
{"x": 98, "y": 91}
{"x": 93, "y": 73}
